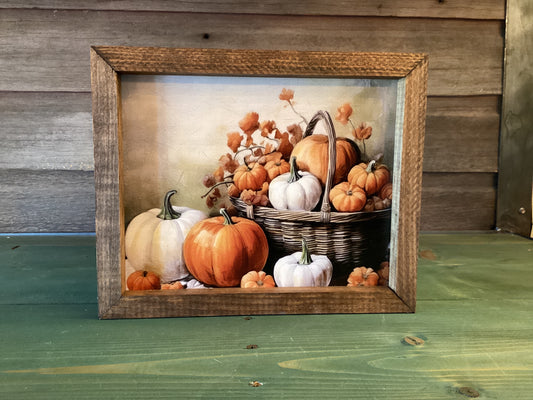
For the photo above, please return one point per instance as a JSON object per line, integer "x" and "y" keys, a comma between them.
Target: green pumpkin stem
{"x": 371, "y": 166}
{"x": 306, "y": 256}
{"x": 295, "y": 172}
{"x": 168, "y": 212}
{"x": 227, "y": 218}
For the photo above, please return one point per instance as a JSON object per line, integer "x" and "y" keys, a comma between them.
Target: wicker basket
{"x": 349, "y": 239}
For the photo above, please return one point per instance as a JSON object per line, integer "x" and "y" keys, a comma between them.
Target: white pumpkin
{"x": 154, "y": 239}
{"x": 302, "y": 269}
{"x": 295, "y": 190}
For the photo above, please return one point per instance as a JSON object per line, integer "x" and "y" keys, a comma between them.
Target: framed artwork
{"x": 242, "y": 182}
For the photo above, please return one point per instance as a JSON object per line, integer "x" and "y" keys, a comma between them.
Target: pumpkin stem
{"x": 227, "y": 218}
{"x": 168, "y": 212}
{"x": 371, "y": 166}
{"x": 306, "y": 256}
{"x": 295, "y": 172}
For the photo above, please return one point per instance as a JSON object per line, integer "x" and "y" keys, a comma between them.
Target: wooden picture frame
{"x": 110, "y": 64}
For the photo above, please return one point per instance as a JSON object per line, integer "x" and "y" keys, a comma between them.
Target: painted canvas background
{"x": 175, "y": 127}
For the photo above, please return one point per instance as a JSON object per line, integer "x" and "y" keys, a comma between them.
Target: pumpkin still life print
{"x": 257, "y": 183}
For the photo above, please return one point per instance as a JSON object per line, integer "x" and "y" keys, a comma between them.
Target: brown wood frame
{"x": 107, "y": 65}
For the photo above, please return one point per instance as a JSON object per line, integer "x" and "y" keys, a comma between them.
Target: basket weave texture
{"x": 349, "y": 239}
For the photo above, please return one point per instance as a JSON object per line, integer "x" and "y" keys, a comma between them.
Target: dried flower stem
{"x": 217, "y": 184}
{"x": 297, "y": 113}
{"x": 362, "y": 140}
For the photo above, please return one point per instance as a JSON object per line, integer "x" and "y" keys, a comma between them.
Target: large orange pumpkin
{"x": 312, "y": 155}
{"x": 219, "y": 251}
{"x": 370, "y": 177}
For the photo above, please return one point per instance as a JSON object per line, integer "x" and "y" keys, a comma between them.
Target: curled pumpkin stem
{"x": 167, "y": 211}
{"x": 227, "y": 218}
{"x": 371, "y": 167}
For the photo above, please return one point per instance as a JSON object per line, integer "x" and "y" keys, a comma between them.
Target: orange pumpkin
{"x": 219, "y": 251}
{"x": 255, "y": 279}
{"x": 312, "y": 154}
{"x": 346, "y": 198}
{"x": 381, "y": 204}
{"x": 370, "y": 177}
{"x": 233, "y": 191}
{"x": 143, "y": 280}
{"x": 276, "y": 168}
{"x": 250, "y": 176}
{"x": 362, "y": 276}
{"x": 172, "y": 286}
{"x": 383, "y": 274}
{"x": 386, "y": 191}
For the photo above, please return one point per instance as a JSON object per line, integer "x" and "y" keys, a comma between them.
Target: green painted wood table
{"x": 471, "y": 336}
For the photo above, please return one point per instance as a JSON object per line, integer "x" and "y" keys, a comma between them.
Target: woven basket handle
{"x": 325, "y": 210}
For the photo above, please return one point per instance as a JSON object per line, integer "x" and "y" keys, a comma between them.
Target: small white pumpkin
{"x": 295, "y": 190}
{"x": 154, "y": 239}
{"x": 302, "y": 269}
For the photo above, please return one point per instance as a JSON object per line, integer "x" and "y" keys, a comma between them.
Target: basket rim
{"x": 307, "y": 216}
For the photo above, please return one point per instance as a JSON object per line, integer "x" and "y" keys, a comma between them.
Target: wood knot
{"x": 468, "y": 391}
{"x": 413, "y": 341}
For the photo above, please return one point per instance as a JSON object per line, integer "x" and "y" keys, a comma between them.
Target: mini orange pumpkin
{"x": 381, "y": 204}
{"x": 362, "y": 276}
{"x": 276, "y": 168}
{"x": 143, "y": 280}
{"x": 384, "y": 274}
{"x": 250, "y": 176}
{"x": 346, "y": 198}
{"x": 370, "y": 177}
{"x": 219, "y": 251}
{"x": 386, "y": 191}
{"x": 312, "y": 154}
{"x": 172, "y": 286}
{"x": 257, "y": 279}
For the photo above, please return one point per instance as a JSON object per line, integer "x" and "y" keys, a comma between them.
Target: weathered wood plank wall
{"x": 46, "y": 158}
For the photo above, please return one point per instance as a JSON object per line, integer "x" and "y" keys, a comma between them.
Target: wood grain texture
{"x": 63, "y": 201}
{"x": 485, "y": 9}
{"x": 233, "y": 62}
{"x": 466, "y": 55}
{"x": 236, "y": 301}
{"x": 474, "y": 320}
{"x": 458, "y": 201}
{"x": 462, "y": 134}
{"x": 515, "y": 182}
{"x": 109, "y": 214}
{"x": 403, "y": 273}
{"x": 50, "y": 131}
{"x": 46, "y": 48}
{"x": 66, "y": 262}
{"x": 46, "y": 201}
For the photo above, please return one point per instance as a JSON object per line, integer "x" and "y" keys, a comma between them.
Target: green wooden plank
{"x": 452, "y": 266}
{"x": 473, "y": 314}
{"x": 73, "y": 355}
{"x": 48, "y": 269}
{"x": 474, "y": 266}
